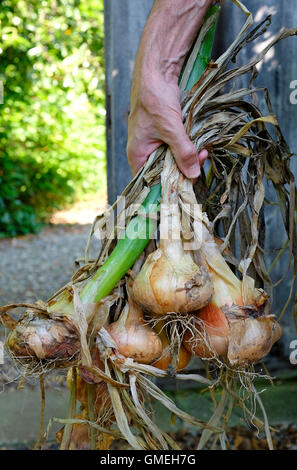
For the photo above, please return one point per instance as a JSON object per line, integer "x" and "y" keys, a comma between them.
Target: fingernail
{"x": 193, "y": 171}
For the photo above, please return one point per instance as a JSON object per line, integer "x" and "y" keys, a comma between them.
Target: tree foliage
{"x": 52, "y": 117}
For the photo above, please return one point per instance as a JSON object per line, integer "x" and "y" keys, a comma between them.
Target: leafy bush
{"x": 52, "y": 146}
{"x": 29, "y": 191}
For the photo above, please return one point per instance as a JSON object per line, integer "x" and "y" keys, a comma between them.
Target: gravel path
{"x": 35, "y": 266}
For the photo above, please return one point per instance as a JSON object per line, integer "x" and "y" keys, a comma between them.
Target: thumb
{"x": 185, "y": 154}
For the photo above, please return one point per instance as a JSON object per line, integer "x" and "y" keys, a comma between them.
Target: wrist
{"x": 148, "y": 89}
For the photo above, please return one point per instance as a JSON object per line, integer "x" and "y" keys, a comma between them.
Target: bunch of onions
{"x": 165, "y": 360}
{"x": 236, "y": 321}
{"x": 133, "y": 337}
{"x": 170, "y": 281}
{"x": 43, "y": 338}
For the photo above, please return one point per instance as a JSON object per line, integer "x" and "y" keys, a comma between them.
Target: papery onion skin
{"x": 214, "y": 328}
{"x": 87, "y": 373}
{"x": 183, "y": 360}
{"x": 84, "y": 377}
{"x": 102, "y": 403}
{"x": 242, "y": 332}
{"x": 251, "y": 339}
{"x": 251, "y": 331}
{"x": 165, "y": 360}
{"x": 133, "y": 337}
{"x": 144, "y": 350}
{"x": 163, "y": 287}
{"x": 80, "y": 439}
{"x": 101, "y": 395}
{"x": 246, "y": 340}
{"x": 44, "y": 339}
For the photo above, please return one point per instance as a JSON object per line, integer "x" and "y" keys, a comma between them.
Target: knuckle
{"x": 188, "y": 154}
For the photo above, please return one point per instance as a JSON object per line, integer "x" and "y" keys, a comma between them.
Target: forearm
{"x": 168, "y": 35}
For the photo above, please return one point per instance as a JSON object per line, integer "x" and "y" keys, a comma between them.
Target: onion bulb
{"x": 44, "y": 339}
{"x": 133, "y": 337}
{"x": 237, "y": 321}
{"x": 250, "y": 339}
{"x": 210, "y": 336}
{"x": 164, "y": 361}
{"x": 170, "y": 280}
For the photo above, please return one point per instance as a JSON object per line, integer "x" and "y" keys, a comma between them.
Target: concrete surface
{"x": 20, "y": 410}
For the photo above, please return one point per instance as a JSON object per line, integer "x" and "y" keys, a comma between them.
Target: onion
{"x": 250, "y": 339}
{"x": 237, "y": 320}
{"x": 212, "y": 322}
{"x": 133, "y": 337}
{"x": 44, "y": 339}
{"x": 170, "y": 280}
{"x": 164, "y": 361}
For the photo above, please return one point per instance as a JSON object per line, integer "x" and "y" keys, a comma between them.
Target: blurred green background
{"x": 52, "y": 120}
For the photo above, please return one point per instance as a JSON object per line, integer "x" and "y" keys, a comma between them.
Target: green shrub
{"x": 29, "y": 191}
{"x": 52, "y": 145}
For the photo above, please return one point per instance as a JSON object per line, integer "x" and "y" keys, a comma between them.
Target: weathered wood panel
{"x": 278, "y": 70}
{"x": 124, "y": 22}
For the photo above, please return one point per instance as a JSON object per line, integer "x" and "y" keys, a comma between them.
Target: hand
{"x": 156, "y": 117}
{"x": 155, "y": 113}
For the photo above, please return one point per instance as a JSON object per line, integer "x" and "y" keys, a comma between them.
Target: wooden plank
{"x": 277, "y": 72}
{"x": 124, "y": 22}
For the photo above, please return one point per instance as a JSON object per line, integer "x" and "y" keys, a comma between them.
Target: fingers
{"x": 136, "y": 160}
{"x": 186, "y": 155}
{"x": 187, "y": 158}
{"x": 171, "y": 132}
{"x": 202, "y": 156}
{"x": 138, "y": 154}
